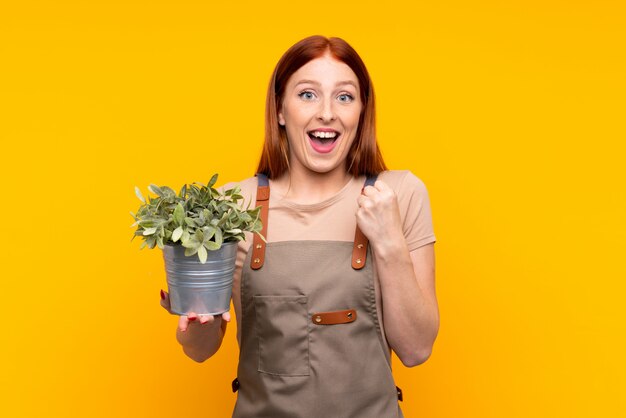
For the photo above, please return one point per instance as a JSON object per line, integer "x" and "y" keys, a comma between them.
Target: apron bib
{"x": 311, "y": 344}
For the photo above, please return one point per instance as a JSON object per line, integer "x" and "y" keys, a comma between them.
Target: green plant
{"x": 200, "y": 217}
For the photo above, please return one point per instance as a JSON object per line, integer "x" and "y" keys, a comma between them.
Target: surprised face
{"x": 320, "y": 111}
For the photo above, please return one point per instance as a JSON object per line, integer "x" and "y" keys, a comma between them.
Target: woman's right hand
{"x": 184, "y": 321}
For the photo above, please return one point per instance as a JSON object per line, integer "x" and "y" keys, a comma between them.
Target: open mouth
{"x": 323, "y": 140}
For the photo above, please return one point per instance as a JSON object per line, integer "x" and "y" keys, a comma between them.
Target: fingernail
{"x": 192, "y": 318}
{"x": 162, "y": 294}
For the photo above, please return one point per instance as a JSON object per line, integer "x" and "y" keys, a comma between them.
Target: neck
{"x": 310, "y": 187}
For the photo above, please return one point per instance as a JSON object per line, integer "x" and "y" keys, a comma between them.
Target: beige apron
{"x": 311, "y": 344}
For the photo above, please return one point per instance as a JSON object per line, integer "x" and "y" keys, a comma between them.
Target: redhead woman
{"x": 347, "y": 274}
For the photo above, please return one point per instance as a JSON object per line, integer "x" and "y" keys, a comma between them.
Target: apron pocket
{"x": 282, "y": 328}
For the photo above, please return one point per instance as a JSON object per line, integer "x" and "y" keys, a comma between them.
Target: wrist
{"x": 389, "y": 248}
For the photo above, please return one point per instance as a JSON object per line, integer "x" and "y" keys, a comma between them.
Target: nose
{"x": 326, "y": 111}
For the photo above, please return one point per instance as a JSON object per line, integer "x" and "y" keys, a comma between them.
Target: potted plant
{"x": 198, "y": 230}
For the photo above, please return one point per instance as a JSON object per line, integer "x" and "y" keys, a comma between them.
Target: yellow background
{"x": 511, "y": 112}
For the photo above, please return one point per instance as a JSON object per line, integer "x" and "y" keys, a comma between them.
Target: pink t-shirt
{"x": 334, "y": 219}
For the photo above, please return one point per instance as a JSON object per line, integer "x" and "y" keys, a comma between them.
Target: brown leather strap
{"x": 359, "y": 250}
{"x": 263, "y": 200}
{"x": 333, "y": 318}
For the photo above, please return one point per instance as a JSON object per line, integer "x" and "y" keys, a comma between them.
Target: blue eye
{"x": 346, "y": 98}
{"x": 306, "y": 95}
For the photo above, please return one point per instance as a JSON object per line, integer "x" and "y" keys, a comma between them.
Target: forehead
{"x": 325, "y": 71}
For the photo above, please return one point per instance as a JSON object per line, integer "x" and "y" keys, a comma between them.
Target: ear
{"x": 281, "y": 119}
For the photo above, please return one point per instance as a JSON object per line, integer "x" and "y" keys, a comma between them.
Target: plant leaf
{"x": 179, "y": 214}
{"x": 149, "y": 231}
{"x": 212, "y": 181}
{"x": 202, "y": 254}
{"x": 191, "y": 243}
{"x": 212, "y": 245}
{"x": 168, "y": 191}
{"x": 178, "y": 232}
{"x": 208, "y": 231}
{"x": 155, "y": 189}
{"x": 185, "y": 237}
{"x": 219, "y": 238}
{"x": 139, "y": 195}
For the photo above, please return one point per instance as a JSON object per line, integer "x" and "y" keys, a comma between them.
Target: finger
{"x": 381, "y": 185}
{"x": 183, "y": 323}
{"x": 369, "y": 191}
{"x": 206, "y": 319}
{"x": 165, "y": 301}
{"x": 226, "y": 316}
{"x": 365, "y": 202}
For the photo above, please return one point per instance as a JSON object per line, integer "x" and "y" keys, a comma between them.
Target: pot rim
{"x": 179, "y": 244}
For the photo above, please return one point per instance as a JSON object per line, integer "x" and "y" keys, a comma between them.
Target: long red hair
{"x": 364, "y": 156}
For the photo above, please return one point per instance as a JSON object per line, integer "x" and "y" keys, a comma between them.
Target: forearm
{"x": 201, "y": 341}
{"x": 410, "y": 313}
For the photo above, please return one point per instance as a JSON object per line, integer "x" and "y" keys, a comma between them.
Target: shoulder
{"x": 403, "y": 182}
{"x": 248, "y": 188}
{"x": 248, "y": 191}
{"x": 414, "y": 206}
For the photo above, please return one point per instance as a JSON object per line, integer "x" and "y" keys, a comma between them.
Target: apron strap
{"x": 359, "y": 250}
{"x": 263, "y": 200}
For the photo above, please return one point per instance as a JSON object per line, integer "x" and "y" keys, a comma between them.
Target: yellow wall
{"x": 511, "y": 112}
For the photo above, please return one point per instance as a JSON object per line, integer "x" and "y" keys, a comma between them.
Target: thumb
{"x": 183, "y": 323}
{"x": 226, "y": 316}
{"x": 165, "y": 301}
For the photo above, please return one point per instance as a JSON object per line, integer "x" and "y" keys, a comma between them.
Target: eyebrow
{"x": 340, "y": 83}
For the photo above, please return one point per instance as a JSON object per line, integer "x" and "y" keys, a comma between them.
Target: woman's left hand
{"x": 378, "y": 215}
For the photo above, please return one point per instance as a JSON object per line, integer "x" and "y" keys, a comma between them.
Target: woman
{"x": 348, "y": 271}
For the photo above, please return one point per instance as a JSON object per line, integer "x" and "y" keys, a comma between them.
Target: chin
{"x": 324, "y": 168}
